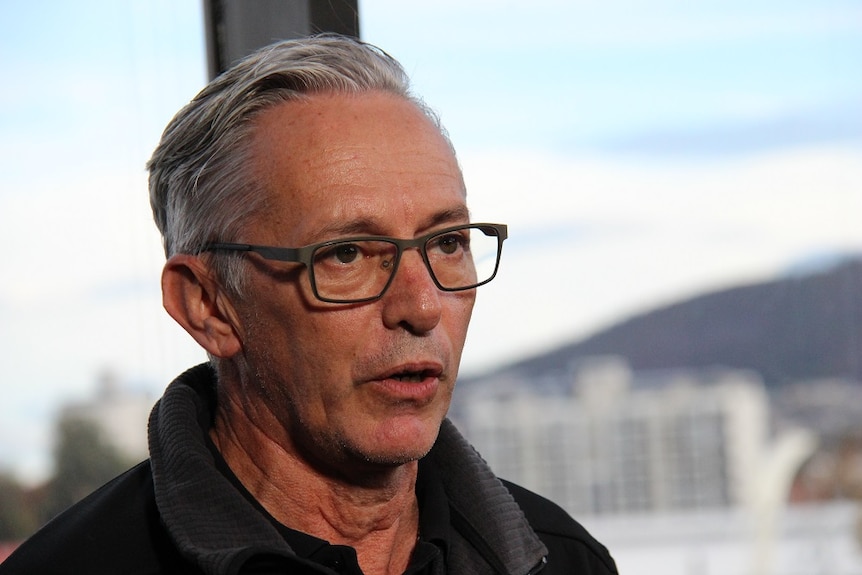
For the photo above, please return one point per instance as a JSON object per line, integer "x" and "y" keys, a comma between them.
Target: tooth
{"x": 409, "y": 377}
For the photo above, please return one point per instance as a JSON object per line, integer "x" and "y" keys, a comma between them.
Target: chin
{"x": 400, "y": 442}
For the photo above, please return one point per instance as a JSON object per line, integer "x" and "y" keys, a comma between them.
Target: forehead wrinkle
{"x": 351, "y": 165}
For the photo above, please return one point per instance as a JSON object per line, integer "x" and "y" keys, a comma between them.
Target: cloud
{"x": 839, "y": 124}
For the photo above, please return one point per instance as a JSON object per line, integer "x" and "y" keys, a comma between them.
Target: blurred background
{"x": 673, "y": 347}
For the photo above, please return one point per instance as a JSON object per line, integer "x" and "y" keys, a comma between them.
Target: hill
{"x": 790, "y": 329}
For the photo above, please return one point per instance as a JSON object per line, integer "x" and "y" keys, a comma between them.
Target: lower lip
{"x": 412, "y": 391}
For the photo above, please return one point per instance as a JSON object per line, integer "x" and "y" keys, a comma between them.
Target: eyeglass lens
{"x": 355, "y": 270}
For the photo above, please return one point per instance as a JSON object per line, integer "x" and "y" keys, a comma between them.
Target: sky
{"x": 641, "y": 152}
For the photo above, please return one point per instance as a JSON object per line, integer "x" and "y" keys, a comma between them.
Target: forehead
{"x": 332, "y": 159}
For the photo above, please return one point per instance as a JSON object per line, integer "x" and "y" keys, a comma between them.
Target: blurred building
{"x": 608, "y": 441}
{"x": 120, "y": 414}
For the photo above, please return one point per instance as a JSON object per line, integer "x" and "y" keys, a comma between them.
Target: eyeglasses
{"x": 360, "y": 269}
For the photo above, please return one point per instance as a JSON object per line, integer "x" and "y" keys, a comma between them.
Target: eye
{"x": 451, "y": 243}
{"x": 340, "y": 253}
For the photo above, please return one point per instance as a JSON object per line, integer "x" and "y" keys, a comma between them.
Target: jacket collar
{"x": 483, "y": 511}
{"x": 217, "y": 528}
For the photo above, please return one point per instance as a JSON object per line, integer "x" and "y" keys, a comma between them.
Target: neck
{"x": 372, "y": 510}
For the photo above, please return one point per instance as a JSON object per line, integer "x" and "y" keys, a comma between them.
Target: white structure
{"x": 120, "y": 415}
{"x": 678, "y": 440}
{"x": 674, "y": 470}
{"x": 812, "y": 540}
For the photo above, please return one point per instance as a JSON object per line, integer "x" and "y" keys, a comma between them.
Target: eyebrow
{"x": 458, "y": 214}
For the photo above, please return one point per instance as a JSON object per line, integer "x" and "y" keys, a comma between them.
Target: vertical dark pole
{"x": 235, "y": 28}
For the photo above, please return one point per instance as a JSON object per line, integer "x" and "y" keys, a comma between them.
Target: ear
{"x": 196, "y": 301}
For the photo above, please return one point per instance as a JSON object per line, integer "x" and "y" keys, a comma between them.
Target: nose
{"x": 413, "y": 299}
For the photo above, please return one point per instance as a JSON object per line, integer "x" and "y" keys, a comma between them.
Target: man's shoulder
{"x": 114, "y": 529}
{"x": 562, "y": 535}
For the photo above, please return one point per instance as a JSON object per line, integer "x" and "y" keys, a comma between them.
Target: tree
{"x": 17, "y": 518}
{"x": 83, "y": 461}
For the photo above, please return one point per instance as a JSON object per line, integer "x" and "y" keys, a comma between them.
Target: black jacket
{"x": 176, "y": 513}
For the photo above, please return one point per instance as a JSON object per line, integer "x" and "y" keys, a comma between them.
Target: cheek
{"x": 319, "y": 350}
{"x": 459, "y": 314}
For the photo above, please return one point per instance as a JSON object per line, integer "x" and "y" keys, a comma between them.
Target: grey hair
{"x": 202, "y": 188}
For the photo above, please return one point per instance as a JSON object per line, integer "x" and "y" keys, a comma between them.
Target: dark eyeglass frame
{"x": 305, "y": 255}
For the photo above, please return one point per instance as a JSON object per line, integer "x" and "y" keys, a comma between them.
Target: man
{"x": 320, "y": 250}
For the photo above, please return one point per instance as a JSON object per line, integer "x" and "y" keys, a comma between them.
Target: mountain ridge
{"x": 795, "y": 328}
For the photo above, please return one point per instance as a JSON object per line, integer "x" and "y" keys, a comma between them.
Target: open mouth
{"x": 411, "y": 377}
{"x": 416, "y": 384}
